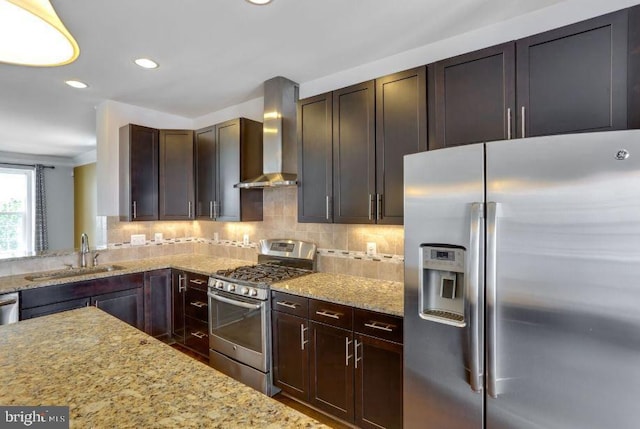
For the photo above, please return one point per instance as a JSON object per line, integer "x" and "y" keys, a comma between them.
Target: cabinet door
{"x": 315, "y": 158}
{"x": 472, "y": 97}
{"x": 176, "y": 174}
{"x": 58, "y": 307}
{"x": 354, "y": 154}
{"x": 378, "y": 383}
{"x": 126, "y": 305}
{"x": 178, "y": 288}
{"x": 401, "y": 129}
{"x": 574, "y": 79}
{"x": 138, "y": 173}
{"x": 331, "y": 366}
{"x": 205, "y": 174}
{"x": 157, "y": 303}
{"x": 290, "y": 354}
{"x": 228, "y": 171}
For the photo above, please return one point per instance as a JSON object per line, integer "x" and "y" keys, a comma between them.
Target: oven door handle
{"x": 234, "y": 302}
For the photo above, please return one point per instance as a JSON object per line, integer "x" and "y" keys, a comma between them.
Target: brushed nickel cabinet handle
{"x": 211, "y": 209}
{"x": 189, "y": 210}
{"x": 198, "y": 334}
{"x": 355, "y": 350}
{"x": 197, "y": 281}
{"x": 327, "y": 204}
{"x": 328, "y": 314}
{"x": 181, "y": 283}
{"x": 287, "y": 304}
{"x": 523, "y": 112}
{"x": 302, "y": 340}
{"x": 380, "y": 326}
{"x": 509, "y": 123}
{"x": 135, "y": 210}
{"x": 370, "y": 206}
{"x": 347, "y": 356}
{"x": 198, "y": 304}
{"x": 378, "y": 206}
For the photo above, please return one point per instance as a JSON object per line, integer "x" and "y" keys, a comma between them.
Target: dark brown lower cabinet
{"x": 121, "y": 296}
{"x": 157, "y": 303}
{"x": 126, "y": 305}
{"x": 190, "y": 311}
{"x": 290, "y": 354}
{"x": 342, "y": 360}
{"x": 378, "y": 383}
{"x": 331, "y": 368}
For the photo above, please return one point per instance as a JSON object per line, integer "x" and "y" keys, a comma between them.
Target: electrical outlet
{"x": 371, "y": 248}
{"x": 216, "y": 237}
{"x": 138, "y": 239}
{"x": 157, "y": 237}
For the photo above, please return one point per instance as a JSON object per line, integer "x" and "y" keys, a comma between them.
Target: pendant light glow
{"x": 146, "y": 63}
{"x": 31, "y": 34}
{"x": 259, "y": 2}
{"x": 76, "y": 84}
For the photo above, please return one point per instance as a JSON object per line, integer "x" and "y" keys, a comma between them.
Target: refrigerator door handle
{"x": 491, "y": 297}
{"x": 472, "y": 297}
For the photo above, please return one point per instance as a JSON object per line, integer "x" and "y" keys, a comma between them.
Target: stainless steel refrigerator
{"x": 522, "y": 284}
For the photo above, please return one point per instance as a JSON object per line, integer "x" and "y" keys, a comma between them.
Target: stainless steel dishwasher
{"x": 9, "y": 308}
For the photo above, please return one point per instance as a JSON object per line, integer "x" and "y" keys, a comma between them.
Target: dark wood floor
{"x": 322, "y": 418}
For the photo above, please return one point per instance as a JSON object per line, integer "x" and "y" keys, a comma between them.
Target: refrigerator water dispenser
{"x": 441, "y": 293}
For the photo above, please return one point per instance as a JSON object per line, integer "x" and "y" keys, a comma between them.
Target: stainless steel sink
{"x": 72, "y": 272}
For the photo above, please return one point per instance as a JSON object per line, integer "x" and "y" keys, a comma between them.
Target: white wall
{"x": 60, "y": 217}
{"x": 252, "y": 109}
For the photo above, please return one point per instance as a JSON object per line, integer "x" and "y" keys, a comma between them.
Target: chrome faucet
{"x": 84, "y": 249}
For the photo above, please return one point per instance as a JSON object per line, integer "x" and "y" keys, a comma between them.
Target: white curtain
{"x": 41, "y": 236}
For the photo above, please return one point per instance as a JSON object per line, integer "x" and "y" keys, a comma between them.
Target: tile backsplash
{"x": 342, "y": 247}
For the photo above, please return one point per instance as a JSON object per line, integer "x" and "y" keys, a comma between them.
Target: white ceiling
{"x": 213, "y": 54}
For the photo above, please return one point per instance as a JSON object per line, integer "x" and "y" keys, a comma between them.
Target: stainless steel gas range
{"x": 240, "y": 311}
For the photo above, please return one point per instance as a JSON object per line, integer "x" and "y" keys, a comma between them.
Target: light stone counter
{"x": 113, "y": 376}
{"x": 360, "y": 292}
{"x": 189, "y": 262}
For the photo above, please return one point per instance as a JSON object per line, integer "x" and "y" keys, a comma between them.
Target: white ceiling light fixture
{"x": 259, "y": 2}
{"x": 146, "y": 63}
{"x": 31, "y": 34}
{"x": 76, "y": 84}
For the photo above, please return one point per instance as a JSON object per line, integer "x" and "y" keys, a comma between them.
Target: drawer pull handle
{"x": 328, "y": 314}
{"x": 355, "y": 348}
{"x": 302, "y": 340}
{"x": 287, "y": 304}
{"x": 198, "y": 334}
{"x": 197, "y": 281}
{"x": 347, "y": 356}
{"x": 380, "y": 326}
{"x": 198, "y": 304}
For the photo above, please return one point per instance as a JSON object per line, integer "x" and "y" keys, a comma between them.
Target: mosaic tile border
{"x": 335, "y": 253}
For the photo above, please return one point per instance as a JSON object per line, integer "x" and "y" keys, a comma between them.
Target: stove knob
{"x": 244, "y": 290}
{"x": 253, "y": 292}
{"x": 219, "y": 284}
{"x": 232, "y": 287}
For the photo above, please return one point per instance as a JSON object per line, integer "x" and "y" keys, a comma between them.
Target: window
{"x": 16, "y": 212}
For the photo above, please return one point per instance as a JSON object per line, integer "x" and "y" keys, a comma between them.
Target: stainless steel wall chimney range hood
{"x": 279, "y": 136}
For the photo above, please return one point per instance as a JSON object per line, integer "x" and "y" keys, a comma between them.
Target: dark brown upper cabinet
{"x": 205, "y": 174}
{"x": 315, "y": 159}
{"x": 138, "y": 173}
{"x": 176, "y": 188}
{"x": 401, "y": 129}
{"x": 238, "y": 157}
{"x": 472, "y": 97}
{"x": 354, "y": 176}
{"x": 574, "y": 79}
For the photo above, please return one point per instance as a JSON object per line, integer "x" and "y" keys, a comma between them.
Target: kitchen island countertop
{"x": 112, "y": 375}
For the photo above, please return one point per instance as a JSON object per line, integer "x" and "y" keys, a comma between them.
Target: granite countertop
{"x": 360, "y": 292}
{"x": 189, "y": 262}
{"x": 113, "y": 375}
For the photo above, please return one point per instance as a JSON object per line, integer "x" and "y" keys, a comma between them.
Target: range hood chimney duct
{"x": 279, "y": 136}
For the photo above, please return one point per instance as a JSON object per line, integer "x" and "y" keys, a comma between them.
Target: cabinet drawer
{"x": 197, "y": 281}
{"x": 378, "y": 325}
{"x": 196, "y": 304}
{"x": 331, "y": 314}
{"x": 58, "y": 307}
{"x": 196, "y": 336}
{"x": 292, "y": 304}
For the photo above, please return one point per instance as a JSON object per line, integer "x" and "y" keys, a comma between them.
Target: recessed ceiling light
{"x": 76, "y": 84}
{"x": 146, "y": 63}
{"x": 259, "y": 2}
